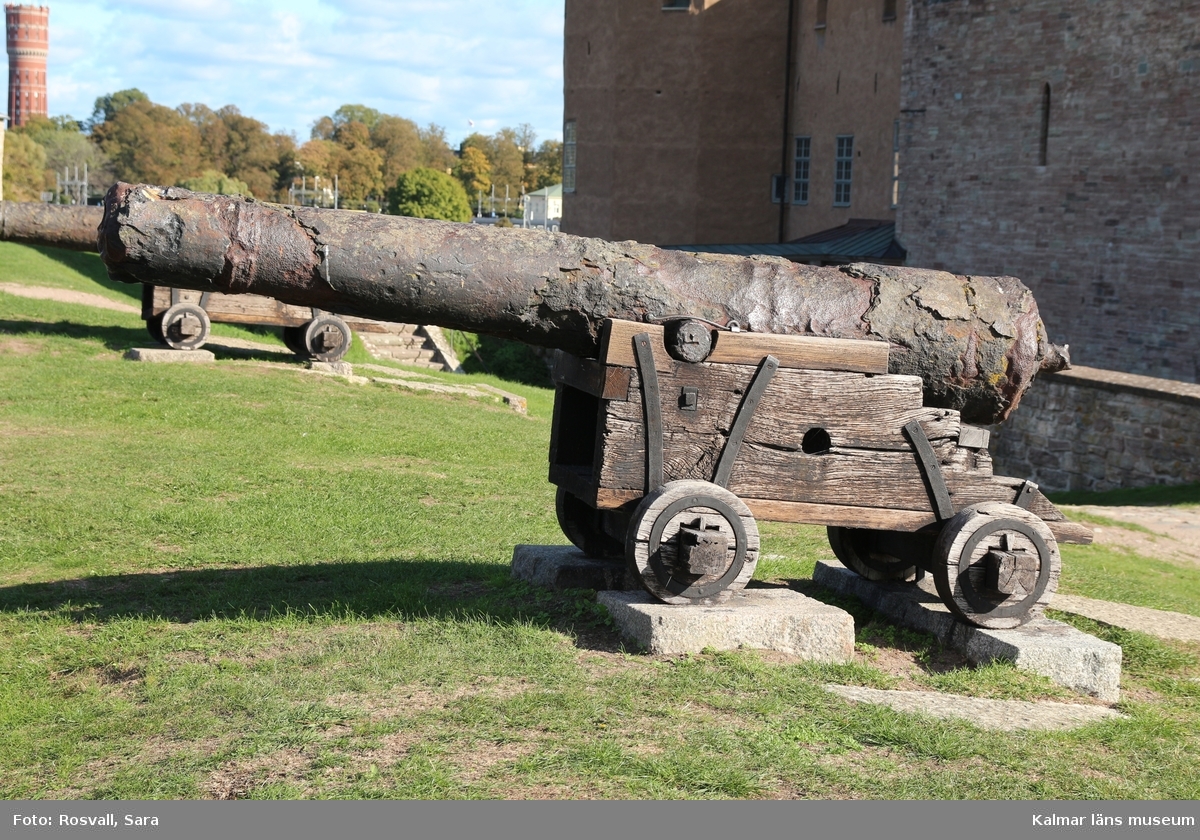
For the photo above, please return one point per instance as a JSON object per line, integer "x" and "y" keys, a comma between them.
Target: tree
{"x": 66, "y": 147}
{"x": 428, "y": 194}
{"x": 437, "y": 152}
{"x": 505, "y": 158}
{"x": 251, "y": 153}
{"x": 217, "y": 183}
{"x": 151, "y": 143}
{"x": 398, "y": 141}
{"x": 323, "y": 129}
{"x": 473, "y": 171}
{"x": 547, "y": 165}
{"x": 358, "y": 166}
{"x": 356, "y": 113}
{"x": 24, "y": 168}
{"x": 109, "y": 105}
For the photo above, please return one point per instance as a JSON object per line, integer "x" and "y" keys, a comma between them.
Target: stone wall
{"x": 1058, "y": 141}
{"x": 1090, "y": 429}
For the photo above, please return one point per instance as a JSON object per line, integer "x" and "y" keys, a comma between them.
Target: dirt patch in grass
{"x": 20, "y": 347}
{"x": 237, "y": 779}
{"x": 482, "y": 757}
{"x": 409, "y": 701}
{"x": 905, "y": 665}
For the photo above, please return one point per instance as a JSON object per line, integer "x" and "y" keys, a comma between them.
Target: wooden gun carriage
{"x": 667, "y": 448}
{"x": 182, "y": 319}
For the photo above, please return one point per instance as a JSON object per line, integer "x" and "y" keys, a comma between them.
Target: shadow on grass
{"x": 392, "y": 589}
{"x": 90, "y": 266}
{"x": 114, "y": 338}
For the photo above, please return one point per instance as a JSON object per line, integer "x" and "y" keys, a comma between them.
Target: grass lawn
{"x": 235, "y": 580}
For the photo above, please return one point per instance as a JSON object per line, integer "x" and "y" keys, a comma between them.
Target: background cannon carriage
{"x": 667, "y": 448}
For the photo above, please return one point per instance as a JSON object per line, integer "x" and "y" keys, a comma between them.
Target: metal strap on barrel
{"x": 741, "y": 421}
{"x": 931, "y": 470}
{"x": 652, "y": 406}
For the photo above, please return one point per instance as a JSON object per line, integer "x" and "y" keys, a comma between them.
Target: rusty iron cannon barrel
{"x": 977, "y": 342}
{"x": 56, "y": 225}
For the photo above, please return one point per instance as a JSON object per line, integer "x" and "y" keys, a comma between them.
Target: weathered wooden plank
{"x": 858, "y": 411}
{"x": 1071, "y": 532}
{"x": 793, "y": 351}
{"x": 591, "y": 377}
{"x": 847, "y": 516}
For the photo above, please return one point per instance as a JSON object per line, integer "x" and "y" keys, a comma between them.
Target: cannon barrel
{"x": 56, "y": 225}
{"x": 977, "y": 342}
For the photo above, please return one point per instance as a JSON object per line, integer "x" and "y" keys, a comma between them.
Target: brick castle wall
{"x": 1089, "y": 429}
{"x": 27, "y": 37}
{"x": 1107, "y": 231}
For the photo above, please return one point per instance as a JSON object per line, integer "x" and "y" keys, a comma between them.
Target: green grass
{"x": 237, "y": 580}
{"x": 1180, "y": 494}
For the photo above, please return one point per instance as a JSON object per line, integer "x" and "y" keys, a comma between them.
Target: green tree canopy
{"x": 151, "y": 143}
{"x": 399, "y": 142}
{"x": 356, "y": 113}
{"x": 109, "y": 105}
{"x": 547, "y": 165}
{"x": 217, "y": 183}
{"x": 474, "y": 170}
{"x": 428, "y": 194}
{"x": 24, "y": 168}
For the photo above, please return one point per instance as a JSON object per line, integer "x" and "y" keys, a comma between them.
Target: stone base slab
{"x": 566, "y": 567}
{"x": 168, "y": 354}
{"x": 1067, "y": 656}
{"x": 766, "y": 619}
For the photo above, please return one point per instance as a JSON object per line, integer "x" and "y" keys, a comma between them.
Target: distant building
{"x": 1053, "y": 140}
{"x": 27, "y": 31}
{"x": 543, "y": 208}
{"x": 1058, "y": 141}
{"x": 729, "y": 121}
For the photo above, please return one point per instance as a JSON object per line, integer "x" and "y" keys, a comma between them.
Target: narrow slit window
{"x": 1044, "y": 136}
{"x": 800, "y": 171}
{"x": 822, "y": 13}
{"x": 895, "y": 163}
{"x": 568, "y": 170}
{"x": 843, "y": 165}
{"x": 889, "y": 9}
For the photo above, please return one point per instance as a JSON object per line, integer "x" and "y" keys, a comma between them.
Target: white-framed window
{"x": 568, "y": 170}
{"x": 842, "y": 171}
{"x": 803, "y": 158}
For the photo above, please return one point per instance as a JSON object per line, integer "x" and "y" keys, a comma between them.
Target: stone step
{"x": 390, "y": 340}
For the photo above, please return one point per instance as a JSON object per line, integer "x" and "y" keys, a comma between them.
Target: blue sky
{"x": 289, "y": 62}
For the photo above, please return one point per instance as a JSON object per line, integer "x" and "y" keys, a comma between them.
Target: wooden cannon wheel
{"x": 325, "y": 338}
{"x": 693, "y": 542}
{"x": 583, "y": 526}
{"x": 185, "y": 326}
{"x": 996, "y": 565}
{"x": 865, "y": 552}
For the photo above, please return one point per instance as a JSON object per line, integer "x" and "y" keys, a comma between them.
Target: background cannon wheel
{"x": 996, "y": 565}
{"x": 866, "y": 553}
{"x": 654, "y": 545}
{"x": 327, "y": 338}
{"x": 584, "y": 527}
{"x": 185, "y": 326}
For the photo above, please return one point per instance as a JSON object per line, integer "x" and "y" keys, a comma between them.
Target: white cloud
{"x": 288, "y": 62}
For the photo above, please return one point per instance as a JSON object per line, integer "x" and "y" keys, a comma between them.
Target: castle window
{"x": 842, "y": 170}
{"x": 896, "y": 163}
{"x": 822, "y": 13}
{"x": 889, "y": 9}
{"x": 800, "y": 171}
{"x": 569, "y": 156}
{"x": 676, "y": 5}
{"x": 1044, "y": 134}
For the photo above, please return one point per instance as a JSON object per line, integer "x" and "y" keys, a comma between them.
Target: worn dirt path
{"x": 67, "y": 296}
{"x": 1175, "y": 537}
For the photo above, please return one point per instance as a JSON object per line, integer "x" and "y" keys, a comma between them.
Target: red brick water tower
{"x": 28, "y": 39}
